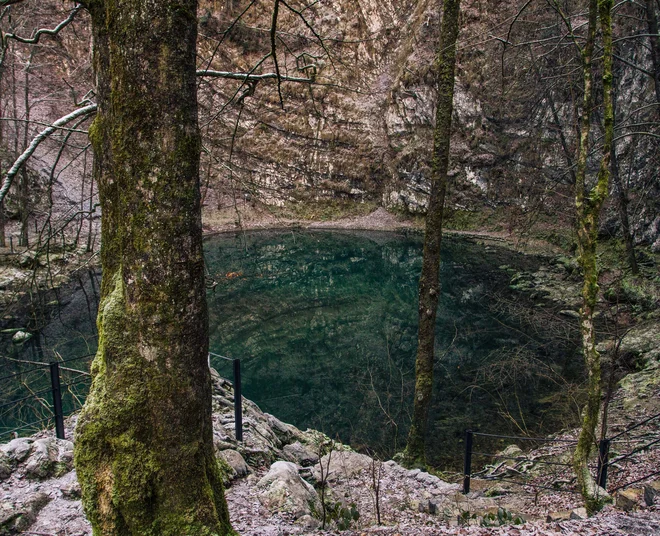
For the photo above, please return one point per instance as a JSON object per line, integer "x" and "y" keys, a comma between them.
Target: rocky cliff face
{"x": 362, "y": 132}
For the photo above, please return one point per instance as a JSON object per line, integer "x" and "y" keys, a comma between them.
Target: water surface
{"x": 325, "y": 324}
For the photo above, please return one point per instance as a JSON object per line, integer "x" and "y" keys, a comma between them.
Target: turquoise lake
{"x": 324, "y": 323}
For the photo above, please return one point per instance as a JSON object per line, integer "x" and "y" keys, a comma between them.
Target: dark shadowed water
{"x": 325, "y": 325}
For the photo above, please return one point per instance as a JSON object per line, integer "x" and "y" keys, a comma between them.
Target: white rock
{"x": 17, "y": 449}
{"x": 282, "y": 490}
{"x": 341, "y": 464}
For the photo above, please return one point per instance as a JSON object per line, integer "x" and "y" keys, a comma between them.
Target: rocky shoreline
{"x": 278, "y": 474}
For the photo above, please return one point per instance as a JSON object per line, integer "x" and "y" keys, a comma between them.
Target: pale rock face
{"x": 49, "y": 456}
{"x": 341, "y": 465}
{"x": 17, "y": 449}
{"x": 297, "y": 453}
{"x": 282, "y": 490}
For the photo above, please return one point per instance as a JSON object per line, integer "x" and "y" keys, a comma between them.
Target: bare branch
{"x": 35, "y": 38}
{"x": 36, "y": 141}
{"x": 253, "y": 77}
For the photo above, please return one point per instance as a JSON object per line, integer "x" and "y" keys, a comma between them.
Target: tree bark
{"x": 622, "y": 200}
{"x": 429, "y": 283}
{"x": 143, "y": 451}
{"x": 588, "y": 208}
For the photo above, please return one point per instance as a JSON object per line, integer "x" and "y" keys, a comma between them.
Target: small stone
{"x": 563, "y": 515}
{"x": 628, "y": 499}
{"x": 307, "y": 522}
{"x": 236, "y": 462}
{"x": 652, "y": 493}
{"x": 579, "y": 513}
{"x": 71, "y": 491}
{"x": 433, "y": 508}
{"x": 570, "y": 313}
{"x": 20, "y": 337}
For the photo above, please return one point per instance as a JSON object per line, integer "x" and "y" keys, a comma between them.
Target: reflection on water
{"x": 325, "y": 325}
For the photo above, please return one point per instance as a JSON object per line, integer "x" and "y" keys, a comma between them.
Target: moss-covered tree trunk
{"x": 143, "y": 450}
{"x": 588, "y": 207}
{"x": 429, "y": 283}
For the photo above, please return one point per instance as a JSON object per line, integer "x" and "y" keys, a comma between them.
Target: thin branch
{"x": 253, "y": 77}
{"x": 36, "y": 141}
{"x": 35, "y": 38}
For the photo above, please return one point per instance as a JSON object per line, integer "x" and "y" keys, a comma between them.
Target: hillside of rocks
{"x": 279, "y": 479}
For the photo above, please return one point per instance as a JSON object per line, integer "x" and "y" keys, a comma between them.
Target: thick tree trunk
{"x": 144, "y": 451}
{"x": 588, "y": 207}
{"x": 429, "y": 284}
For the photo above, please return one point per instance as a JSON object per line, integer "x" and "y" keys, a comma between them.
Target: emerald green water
{"x": 325, "y": 325}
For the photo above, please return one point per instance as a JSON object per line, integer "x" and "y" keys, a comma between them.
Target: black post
{"x": 467, "y": 461}
{"x": 238, "y": 397}
{"x": 57, "y": 400}
{"x": 11, "y": 244}
{"x": 603, "y": 461}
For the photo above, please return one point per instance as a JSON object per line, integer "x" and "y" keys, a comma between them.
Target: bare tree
{"x": 429, "y": 284}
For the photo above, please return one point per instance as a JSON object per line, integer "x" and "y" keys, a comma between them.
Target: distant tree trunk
{"x": 144, "y": 440}
{"x": 429, "y": 284}
{"x": 652, "y": 22}
{"x": 622, "y": 201}
{"x": 24, "y": 186}
{"x": 588, "y": 208}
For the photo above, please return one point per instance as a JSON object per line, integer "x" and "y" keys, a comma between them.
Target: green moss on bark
{"x": 144, "y": 451}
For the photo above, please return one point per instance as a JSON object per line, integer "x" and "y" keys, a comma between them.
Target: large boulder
{"x": 17, "y": 449}
{"x": 235, "y": 463}
{"x": 300, "y": 455}
{"x": 282, "y": 490}
{"x": 341, "y": 464}
{"x": 49, "y": 457}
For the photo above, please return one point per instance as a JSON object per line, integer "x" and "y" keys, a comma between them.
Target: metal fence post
{"x": 57, "y": 400}
{"x": 467, "y": 461}
{"x": 603, "y": 460}
{"x": 238, "y": 397}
